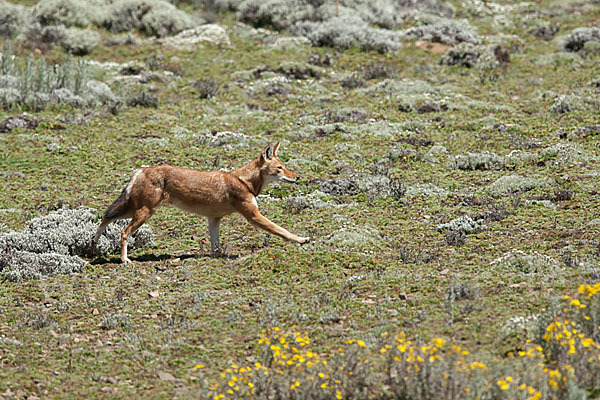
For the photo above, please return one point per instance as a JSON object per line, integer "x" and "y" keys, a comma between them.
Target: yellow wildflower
{"x": 502, "y": 384}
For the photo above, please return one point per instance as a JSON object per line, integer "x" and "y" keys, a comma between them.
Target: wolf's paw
{"x": 304, "y": 240}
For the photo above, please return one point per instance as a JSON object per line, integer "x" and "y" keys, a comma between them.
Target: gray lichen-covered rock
{"x": 53, "y": 243}
{"x": 509, "y": 184}
{"x": 577, "y": 39}
{"x": 99, "y": 92}
{"x": 190, "y": 38}
{"x": 465, "y": 54}
{"x": 479, "y": 161}
{"x": 340, "y": 187}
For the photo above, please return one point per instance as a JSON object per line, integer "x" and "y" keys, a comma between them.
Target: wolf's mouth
{"x": 285, "y": 178}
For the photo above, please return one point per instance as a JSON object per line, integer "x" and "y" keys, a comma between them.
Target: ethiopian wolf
{"x": 210, "y": 194}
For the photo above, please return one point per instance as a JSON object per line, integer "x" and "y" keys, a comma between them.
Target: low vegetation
{"x": 447, "y": 154}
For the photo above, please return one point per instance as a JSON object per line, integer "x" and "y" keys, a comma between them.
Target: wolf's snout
{"x": 290, "y": 180}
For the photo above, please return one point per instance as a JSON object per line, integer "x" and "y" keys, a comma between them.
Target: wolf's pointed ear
{"x": 276, "y": 148}
{"x": 267, "y": 154}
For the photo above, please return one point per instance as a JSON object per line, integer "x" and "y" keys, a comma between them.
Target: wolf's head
{"x": 271, "y": 167}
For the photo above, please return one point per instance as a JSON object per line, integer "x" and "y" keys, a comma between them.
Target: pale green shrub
{"x": 447, "y": 32}
{"x": 13, "y": 17}
{"x": 152, "y": 17}
{"x": 80, "y": 41}
{"x": 68, "y": 12}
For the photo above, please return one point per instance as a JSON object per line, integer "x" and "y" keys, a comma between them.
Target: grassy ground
{"x": 110, "y": 331}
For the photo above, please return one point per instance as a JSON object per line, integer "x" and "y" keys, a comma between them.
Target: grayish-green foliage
{"x": 447, "y": 32}
{"x": 510, "y": 184}
{"x": 364, "y": 24}
{"x": 12, "y": 18}
{"x": 80, "y": 41}
{"x": 53, "y": 244}
{"x": 280, "y": 14}
{"x": 464, "y": 224}
{"x": 152, "y": 17}
{"x": 38, "y": 85}
{"x": 353, "y": 237}
{"x": 20, "y": 266}
{"x": 527, "y": 263}
{"x": 68, "y": 12}
{"x": 345, "y": 32}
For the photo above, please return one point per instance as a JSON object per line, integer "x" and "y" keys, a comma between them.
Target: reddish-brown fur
{"x": 209, "y": 194}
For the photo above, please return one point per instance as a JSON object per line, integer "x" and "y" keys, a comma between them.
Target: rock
{"x": 190, "y": 38}
{"x": 479, "y": 161}
{"x": 99, "y": 92}
{"x": 53, "y": 146}
{"x": 545, "y": 31}
{"x": 577, "y": 39}
{"x": 339, "y": 187}
{"x": 22, "y": 121}
{"x": 165, "y": 376}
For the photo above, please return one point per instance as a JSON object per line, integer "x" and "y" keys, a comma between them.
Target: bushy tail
{"x": 118, "y": 209}
{"x": 119, "y": 206}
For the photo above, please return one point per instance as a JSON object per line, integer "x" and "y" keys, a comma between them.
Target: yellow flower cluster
{"x": 588, "y": 290}
{"x": 291, "y": 369}
{"x": 411, "y": 355}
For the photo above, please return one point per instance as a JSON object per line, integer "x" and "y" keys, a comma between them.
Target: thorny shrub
{"x": 564, "y": 364}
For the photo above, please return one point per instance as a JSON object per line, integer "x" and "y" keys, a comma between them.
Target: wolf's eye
{"x": 280, "y": 167}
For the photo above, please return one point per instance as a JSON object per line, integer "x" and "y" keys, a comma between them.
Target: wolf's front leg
{"x": 250, "y": 211}
{"x": 213, "y": 231}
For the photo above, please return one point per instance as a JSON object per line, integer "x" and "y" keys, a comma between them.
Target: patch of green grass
{"x": 210, "y": 310}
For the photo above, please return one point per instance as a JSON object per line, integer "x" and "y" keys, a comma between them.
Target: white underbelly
{"x": 205, "y": 210}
